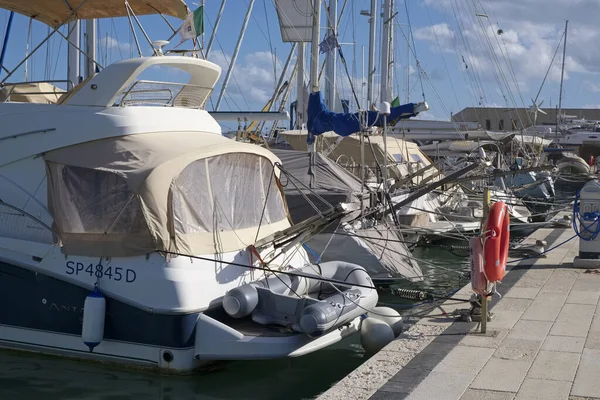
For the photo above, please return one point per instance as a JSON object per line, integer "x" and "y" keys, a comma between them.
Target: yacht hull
{"x": 45, "y": 315}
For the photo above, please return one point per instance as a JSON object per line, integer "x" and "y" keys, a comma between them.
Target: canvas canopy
{"x": 184, "y": 192}
{"x": 54, "y": 12}
{"x": 38, "y": 92}
{"x": 329, "y": 181}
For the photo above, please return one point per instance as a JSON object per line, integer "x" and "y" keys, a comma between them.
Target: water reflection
{"x": 32, "y": 376}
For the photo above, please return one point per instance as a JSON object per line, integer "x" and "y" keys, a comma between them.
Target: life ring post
{"x": 484, "y": 300}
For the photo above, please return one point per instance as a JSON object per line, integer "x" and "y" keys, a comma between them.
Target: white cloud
{"x": 113, "y": 43}
{"x": 441, "y": 32}
{"x": 531, "y": 32}
{"x": 253, "y": 80}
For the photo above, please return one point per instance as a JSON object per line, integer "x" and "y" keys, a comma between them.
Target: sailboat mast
{"x": 90, "y": 46}
{"x": 314, "y": 48}
{"x": 385, "y": 51}
{"x": 330, "y": 60}
{"x": 235, "y": 54}
{"x": 214, "y": 32}
{"x": 300, "y": 101}
{"x": 372, "y": 32}
{"x": 72, "y": 52}
{"x": 562, "y": 72}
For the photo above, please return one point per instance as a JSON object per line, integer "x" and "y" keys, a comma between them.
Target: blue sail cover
{"x": 321, "y": 120}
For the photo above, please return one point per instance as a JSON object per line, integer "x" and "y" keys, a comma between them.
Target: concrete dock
{"x": 542, "y": 343}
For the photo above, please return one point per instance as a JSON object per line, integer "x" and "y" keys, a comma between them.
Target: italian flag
{"x": 193, "y": 25}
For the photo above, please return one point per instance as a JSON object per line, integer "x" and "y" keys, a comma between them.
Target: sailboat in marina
{"x": 134, "y": 233}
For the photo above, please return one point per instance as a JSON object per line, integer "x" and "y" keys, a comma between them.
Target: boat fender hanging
{"x": 94, "y": 311}
{"x": 496, "y": 242}
{"x": 375, "y": 334}
{"x": 478, "y": 284}
{"x": 389, "y": 316}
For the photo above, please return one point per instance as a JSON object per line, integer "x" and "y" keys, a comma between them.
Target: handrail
{"x": 27, "y": 133}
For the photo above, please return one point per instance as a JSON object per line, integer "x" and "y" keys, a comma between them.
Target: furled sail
{"x": 321, "y": 120}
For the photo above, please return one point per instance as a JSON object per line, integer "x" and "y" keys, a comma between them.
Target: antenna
{"x": 158, "y": 45}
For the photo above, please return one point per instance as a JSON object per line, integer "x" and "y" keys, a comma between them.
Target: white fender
{"x": 375, "y": 335}
{"x": 389, "y": 316}
{"x": 94, "y": 310}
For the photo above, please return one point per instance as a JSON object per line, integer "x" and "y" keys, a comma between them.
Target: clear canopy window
{"x": 96, "y": 201}
{"x": 226, "y": 193}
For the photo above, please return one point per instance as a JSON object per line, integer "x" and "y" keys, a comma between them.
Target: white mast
{"x": 330, "y": 60}
{"x": 235, "y": 54}
{"x": 300, "y": 101}
{"x": 371, "y": 74}
{"x": 314, "y": 49}
{"x": 72, "y": 52}
{"x": 385, "y": 52}
{"x": 90, "y": 46}
{"x": 562, "y": 74}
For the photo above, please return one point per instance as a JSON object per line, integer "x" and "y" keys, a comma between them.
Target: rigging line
{"x": 473, "y": 74}
{"x": 422, "y": 71}
{"x": 486, "y": 51}
{"x": 550, "y": 66}
{"x": 441, "y": 53}
{"x": 496, "y": 61}
{"x": 508, "y": 62}
{"x": 412, "y": 38}
{"x": 465, "y": 76}
{"x": 233, "y": 76}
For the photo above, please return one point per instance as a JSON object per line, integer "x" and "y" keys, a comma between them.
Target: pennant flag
{"x": 328, "y": 44}
{"x": 395, "y": 102}
{"x": 193, "y": 25}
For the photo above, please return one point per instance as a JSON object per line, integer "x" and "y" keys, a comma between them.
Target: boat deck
{"x": 542, "y": 343}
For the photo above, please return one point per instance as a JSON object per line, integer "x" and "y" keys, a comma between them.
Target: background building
{"x": 508, "y": 119}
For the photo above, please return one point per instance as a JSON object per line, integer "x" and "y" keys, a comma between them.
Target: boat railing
{"x": 165, "y": 94}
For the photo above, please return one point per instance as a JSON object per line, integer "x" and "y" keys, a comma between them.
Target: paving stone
{"x": 554, "y": 365}
{"x": 522, "y": 293}
{"x": 543, "y": 389}
{"x": 504, "y": 319}
{"x": 490, "y": 339}
{"x": 530, "y": 330}
{"x": 586, "y": 382}
{"x": 583, "y": 297}
{"x": 518, "y": 349}
{"x": 512, "y": 304}
{"x": 528, "y": 282}
{"x": 593, "y": 340}
{"x": 501, "y": 375}
{"x": 561, "y": 281}
{"x": 568, "y": 344}
{"x": 573, "y": 320}
{"x": 545, "y": 307}
{"x": 466, "y": 359}
{"x": 477, "y": 394}
{"x": 589, "y": 283}
{"x": 441, "y": 386}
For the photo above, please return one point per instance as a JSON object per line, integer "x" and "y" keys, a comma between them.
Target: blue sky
{"x": 465, "y": 61}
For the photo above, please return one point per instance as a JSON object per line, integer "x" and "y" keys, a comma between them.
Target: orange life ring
{"x": 496, "y": 239}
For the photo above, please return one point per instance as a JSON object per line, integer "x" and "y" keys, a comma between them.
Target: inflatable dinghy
{"x": 305, "y": 302}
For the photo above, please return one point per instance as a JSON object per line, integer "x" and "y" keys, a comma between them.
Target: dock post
{"x": 484, "y": 300}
